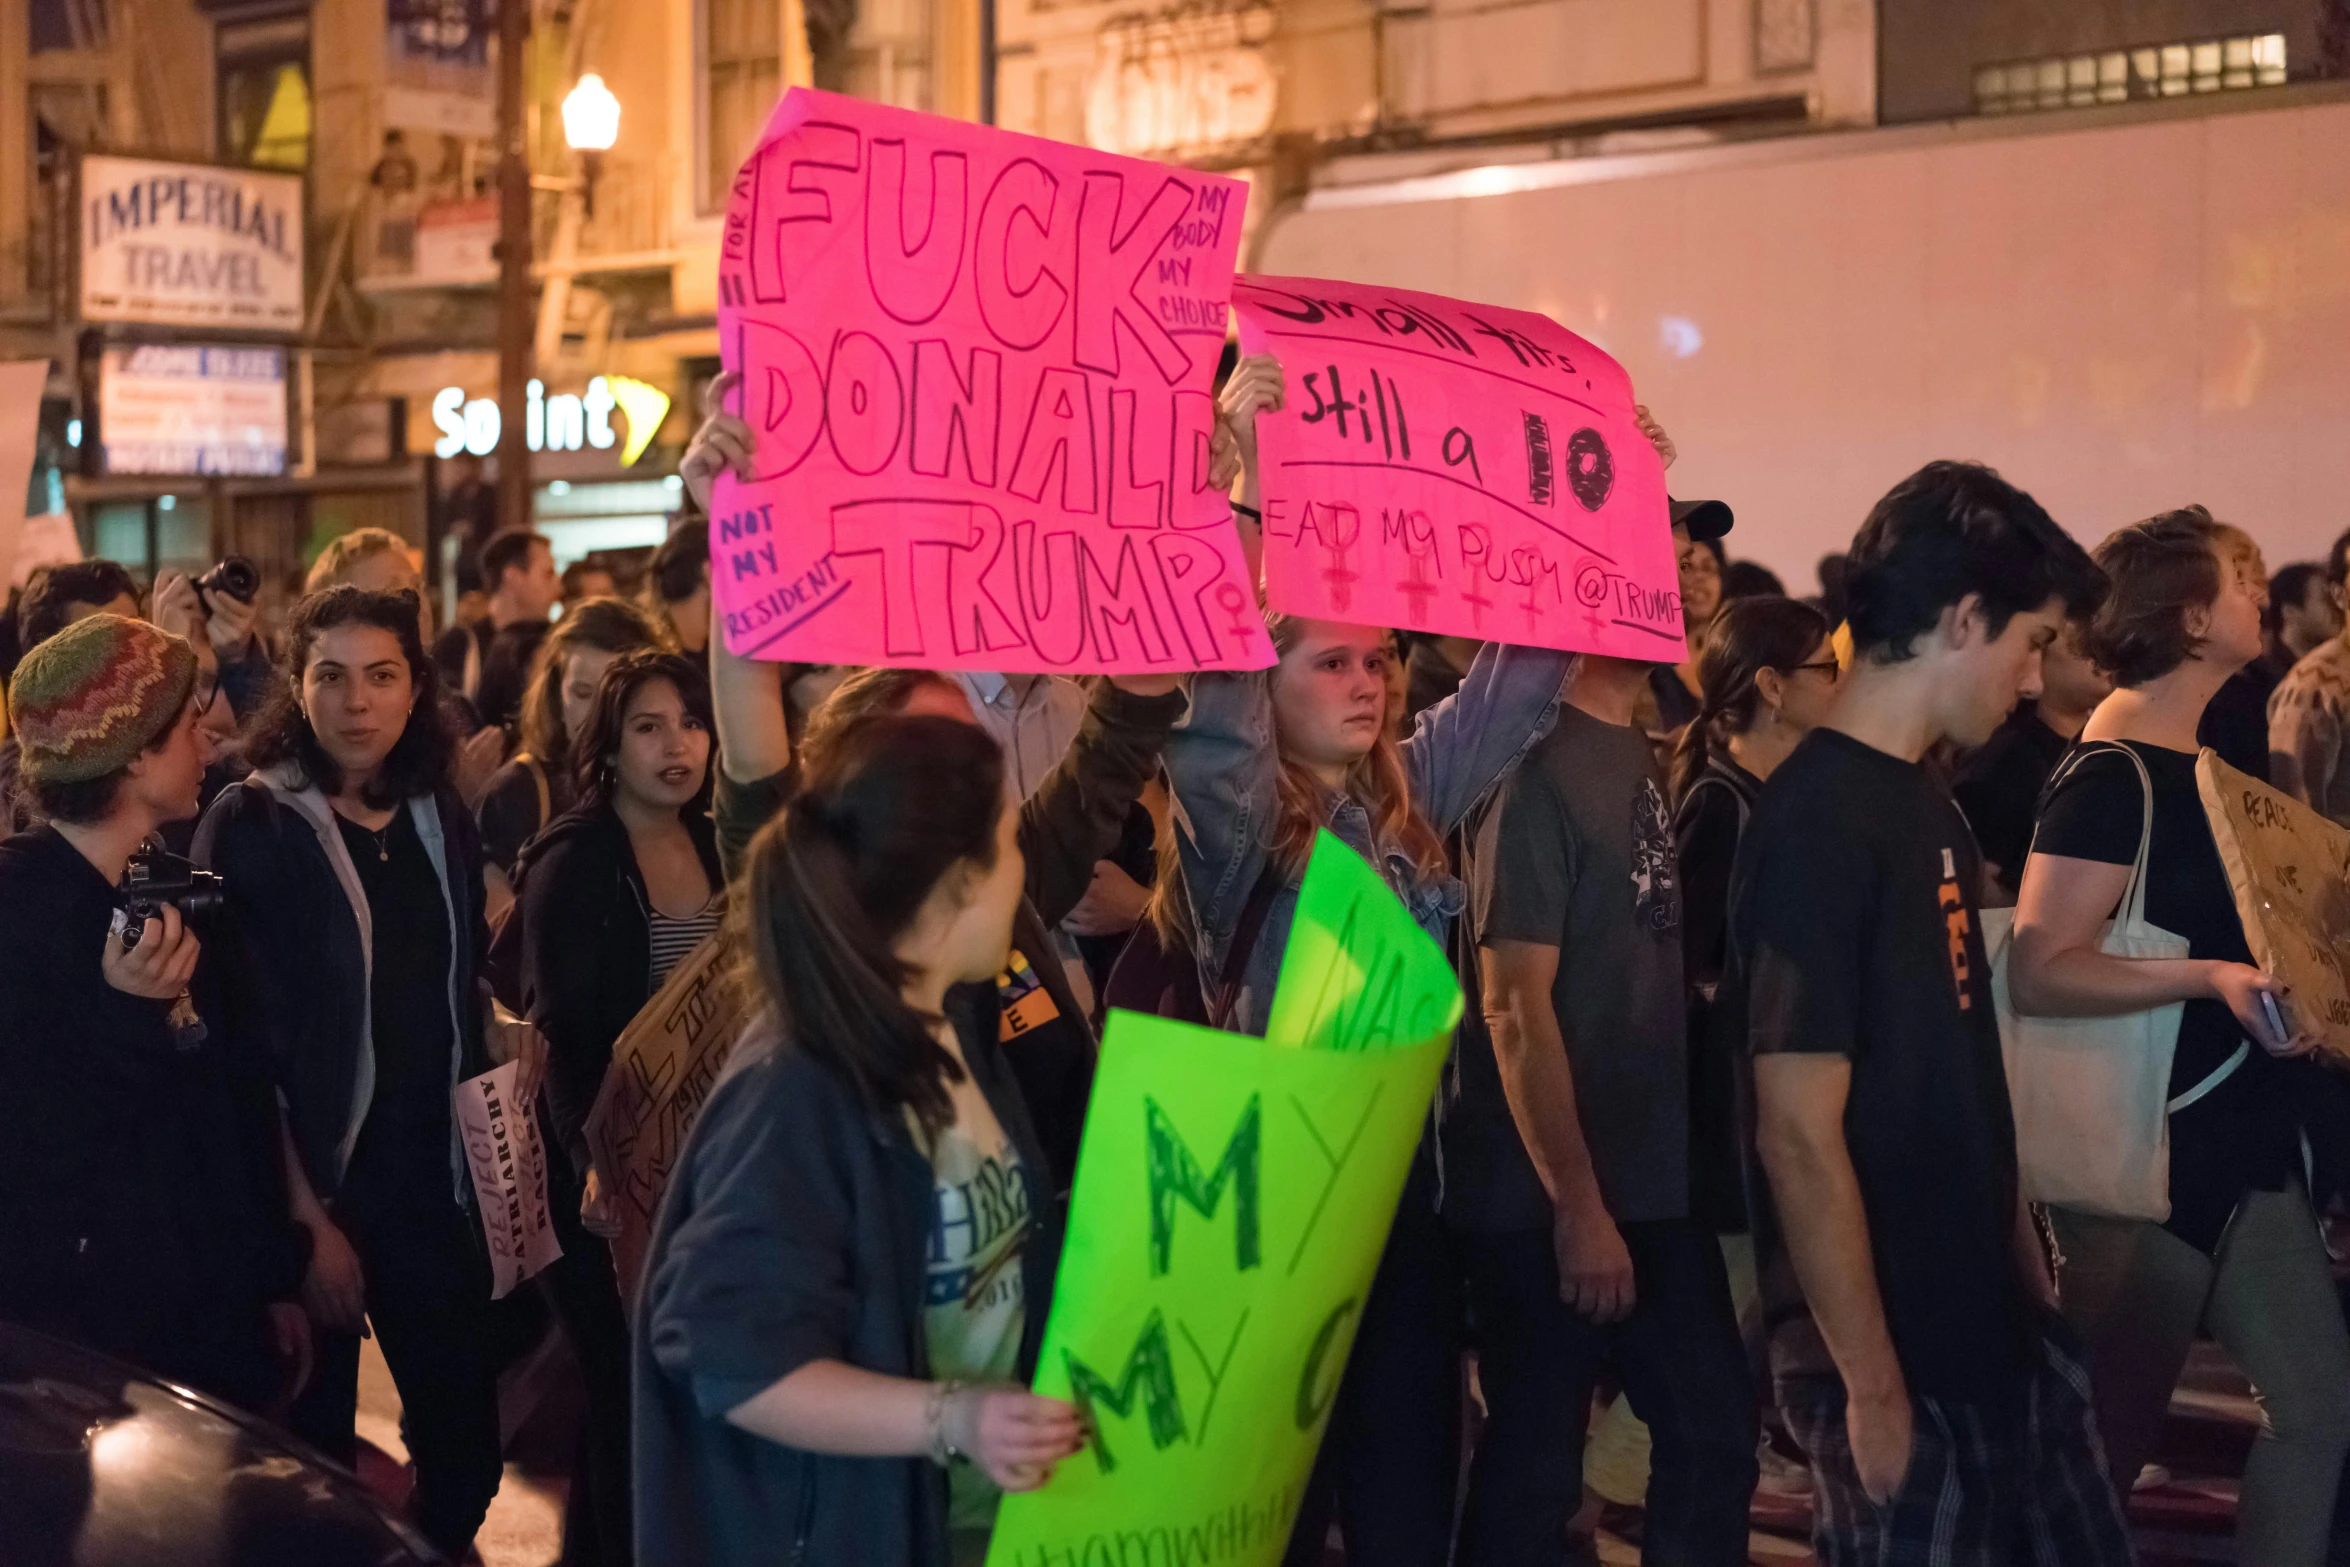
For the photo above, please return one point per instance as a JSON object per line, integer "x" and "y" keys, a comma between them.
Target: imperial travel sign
{"x": 182, "y": 244}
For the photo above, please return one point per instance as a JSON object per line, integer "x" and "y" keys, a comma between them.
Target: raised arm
{"x": 1463, "y": 745}
{"x": 1075, "y": 817}
{"x": 1223, "y": 769}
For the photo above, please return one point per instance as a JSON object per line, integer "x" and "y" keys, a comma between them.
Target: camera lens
{"x": 235, "y": 576}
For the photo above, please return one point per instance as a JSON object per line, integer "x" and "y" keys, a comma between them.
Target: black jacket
{"x": 143, "y": 1207}
{"x": 795, "y": 1229}
{"x": 295, "y": 965}
{"x": 587, "y": 952}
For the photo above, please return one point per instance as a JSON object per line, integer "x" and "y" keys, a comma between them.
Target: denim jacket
{"x": 1223, "y": 766}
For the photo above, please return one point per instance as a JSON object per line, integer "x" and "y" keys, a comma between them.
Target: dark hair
{"x": 88, "y": 801}
{"x": 1747, "y": 636}
{"x": 2289, "y": 586}
{"x": 506, "y": 552}
{"x": 2160, "y": 570}
{"x": 609, "y": 626}
{"x": 1748, "y": 579}
{"x": 2338, "y": 561}
{"x": 834, "y": 881}
{"x": 679, "y": 564}
{"x": 419, "y": 759}
{"x": 581, "y": 569}
{"x": 49, "y": 600}
{"x": 867, "y": 694}
{"x": 631, "y": 673}
{"x": 1949, "y": 530}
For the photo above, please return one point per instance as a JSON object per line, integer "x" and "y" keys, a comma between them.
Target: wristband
{"x": 943, "y": 1451}
{"x": 1250, "y": 512}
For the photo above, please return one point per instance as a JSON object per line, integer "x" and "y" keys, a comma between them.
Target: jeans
{"x": 1390, "y": 1458}
{"x": 428, "y": 1300}
{"x": 2137, "y": 1293}
{"x": 1682, "y": 1365}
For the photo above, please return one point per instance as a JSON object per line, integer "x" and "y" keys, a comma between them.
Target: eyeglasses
{"x": 207, "y": 690}
{"x": 1825, "y": 666}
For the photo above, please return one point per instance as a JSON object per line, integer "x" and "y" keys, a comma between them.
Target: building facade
{"x": 378, "y": 115}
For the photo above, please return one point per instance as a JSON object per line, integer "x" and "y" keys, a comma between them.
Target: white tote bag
{"x": 2092, "y": 1094}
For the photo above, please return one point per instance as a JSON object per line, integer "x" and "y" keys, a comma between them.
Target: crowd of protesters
{"x": 1726, "y": 1126}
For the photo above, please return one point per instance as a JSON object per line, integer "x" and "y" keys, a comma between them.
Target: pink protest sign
{"x": 976, "y": 366}
{"x": 1459, "y": 469}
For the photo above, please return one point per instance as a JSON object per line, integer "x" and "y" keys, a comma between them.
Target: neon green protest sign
{"x": 1233, "y": 1196}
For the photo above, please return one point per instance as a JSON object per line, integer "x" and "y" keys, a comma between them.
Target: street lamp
{"x": 591, "y": 124}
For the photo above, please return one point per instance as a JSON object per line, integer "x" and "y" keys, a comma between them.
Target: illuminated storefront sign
{"x": 565, "y": 422}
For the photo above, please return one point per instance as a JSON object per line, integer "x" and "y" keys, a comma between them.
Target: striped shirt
{"x": 674, "y": 940}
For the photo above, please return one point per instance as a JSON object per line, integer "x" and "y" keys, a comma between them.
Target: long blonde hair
{"x": 1377, "y": 782}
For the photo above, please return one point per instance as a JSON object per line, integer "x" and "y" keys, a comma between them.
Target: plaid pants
{"x": 2023, "y": 1490}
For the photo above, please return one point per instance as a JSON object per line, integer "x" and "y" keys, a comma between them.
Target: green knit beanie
{"x": 86, "y": 702}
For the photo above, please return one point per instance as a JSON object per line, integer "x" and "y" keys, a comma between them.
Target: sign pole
{"x": 514, "y": 305}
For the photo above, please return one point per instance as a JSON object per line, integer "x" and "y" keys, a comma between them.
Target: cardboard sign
{"x": 509, "y": 1165}
{"x": 1458, "y": 469}
{"x": 1233, "y": 1197}
{"x": 976, "y": 368}
{"x": 2290, "y": 868}
{"x": 663, "y": 1068}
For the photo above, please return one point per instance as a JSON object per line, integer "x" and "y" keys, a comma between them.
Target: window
{"x": 742, "y": 76}
{"x": 264, "y": 92}
{"x": 2118, "y": 76}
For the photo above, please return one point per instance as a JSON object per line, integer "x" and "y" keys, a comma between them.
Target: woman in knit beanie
{"x": 87, "y": 702}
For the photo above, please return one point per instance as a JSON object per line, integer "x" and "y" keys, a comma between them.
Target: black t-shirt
{"x": 1999, "y": 788}
{"x": 1853, "y": 932}
{"x": 506, "y": 653}
{"x": 510, "y": 811}
{"x": 1707, "y": 825}
{"x": 1575, "y": 853}
{"x": 408, "y": 993}
{"x": 2243, "y": 1135}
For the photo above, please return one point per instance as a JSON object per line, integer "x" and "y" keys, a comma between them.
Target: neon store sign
{"x": 565, "y": 422}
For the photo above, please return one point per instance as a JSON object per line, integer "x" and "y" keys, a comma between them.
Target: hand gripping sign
{"x": 2290, "y": 870}
{"x": 1233, "y": 1196}
{"x": 1459, "y": 469}
{"x": 509, "y": 1166}
{"x": 976, "y": 367}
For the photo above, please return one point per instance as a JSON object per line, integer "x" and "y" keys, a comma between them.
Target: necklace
{"x": 383, "y": 840}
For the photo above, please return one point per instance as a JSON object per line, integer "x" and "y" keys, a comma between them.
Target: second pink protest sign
{"x": 977, "y": 369}
{"x": 1459, "y": 469}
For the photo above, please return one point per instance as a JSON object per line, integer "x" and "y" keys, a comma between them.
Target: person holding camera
{"x": 143, "y": 1208}
{"x": 218, "y": 615}
{"x": 354, "y": 884}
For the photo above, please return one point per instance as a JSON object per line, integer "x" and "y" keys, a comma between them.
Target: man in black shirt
{"x": 1567, "y": 1153}
{"x": 489, "y": 660}
{"x": 143, "y": 1208}
{"x": 1999, "y": 786}
{"x": 1941, "y": 1401}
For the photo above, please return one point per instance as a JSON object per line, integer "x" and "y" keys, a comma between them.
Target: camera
{"x": 235, "y": 576}
{"x": 155, "y": 878}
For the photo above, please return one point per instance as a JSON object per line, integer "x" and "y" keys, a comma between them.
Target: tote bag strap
{"x": 2133, "y": 905}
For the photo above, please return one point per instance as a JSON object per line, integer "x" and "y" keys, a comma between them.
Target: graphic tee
{"x": 974, "y": 1302}
{"x": 1576, "y": 852}
{"x": 1853, "y": 932}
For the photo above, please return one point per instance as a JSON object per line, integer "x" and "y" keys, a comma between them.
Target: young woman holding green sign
{"x": 825, "y": 1372}
{"x": 1263, "y": 762}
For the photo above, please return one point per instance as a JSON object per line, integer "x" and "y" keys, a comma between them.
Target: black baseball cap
{"x": 1703, "y": 520}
